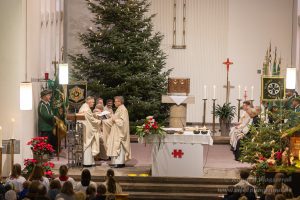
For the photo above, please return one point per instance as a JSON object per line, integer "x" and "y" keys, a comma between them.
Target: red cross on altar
{"x": 227, "y": 63}
{"x": 177, "y": 153}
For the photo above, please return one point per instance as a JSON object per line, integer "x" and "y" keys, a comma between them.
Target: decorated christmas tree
{"x": 124, "y": 57}
{"x": 267, "y": 146}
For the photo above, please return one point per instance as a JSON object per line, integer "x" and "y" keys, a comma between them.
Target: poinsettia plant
{"x": 149, "y": 127}
{"x": 40, "y": 146}
{"x": 30, "y": 163}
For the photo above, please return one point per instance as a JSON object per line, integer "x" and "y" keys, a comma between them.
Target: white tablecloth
{"x": 179, "y": 155}
{"x": 188, "y": 137}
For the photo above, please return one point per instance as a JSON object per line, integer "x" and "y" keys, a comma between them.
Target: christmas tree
{"x": 267, "y": 146}
{"x": 124, "y": 57}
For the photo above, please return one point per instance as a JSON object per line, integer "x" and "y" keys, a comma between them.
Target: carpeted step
{"x": 166, "y": 180}
{"x": 173, "y": 188}
{"x": 174, "y": 196}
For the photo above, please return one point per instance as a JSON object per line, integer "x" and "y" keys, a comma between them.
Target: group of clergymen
{"x": 253, "y": 115}
{"x": 105, "y": 132}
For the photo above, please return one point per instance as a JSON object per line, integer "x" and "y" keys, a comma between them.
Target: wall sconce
{"x": 26, "y": 96}
{"x": 290, "y": 78}
{"x": 63, "y": 73}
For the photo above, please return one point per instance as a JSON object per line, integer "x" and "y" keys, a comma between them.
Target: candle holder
{"x": 204, "y": 112}
{"x": 239, "y": 109}
{"x": 214, "y": 116}
{"x": 12, "y": 152}
{"x": 0, "y": 163}
{"x": 251, "y": 102}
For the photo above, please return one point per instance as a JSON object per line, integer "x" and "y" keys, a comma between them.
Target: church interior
{"x": 150, "y": 99}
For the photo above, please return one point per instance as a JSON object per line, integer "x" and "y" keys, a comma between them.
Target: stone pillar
{"x": 178, "y": 116}
{"x": 178, "y": 113}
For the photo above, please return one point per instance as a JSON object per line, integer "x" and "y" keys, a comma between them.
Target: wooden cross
{"x": 228, "y": 87}
{"x": 227, "y": 63}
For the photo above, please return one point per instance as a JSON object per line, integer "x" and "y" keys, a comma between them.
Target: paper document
{"x": 103, "y": 113}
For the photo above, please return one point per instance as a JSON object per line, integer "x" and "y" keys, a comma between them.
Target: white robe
{"x": 118, "y": 133}
{"x": 91, "y": 135}
{"x": 242, "y": 128}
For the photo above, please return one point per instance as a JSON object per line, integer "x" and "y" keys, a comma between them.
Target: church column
{"x": 18, "y": 57}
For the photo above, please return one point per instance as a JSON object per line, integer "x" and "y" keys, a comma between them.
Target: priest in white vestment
{"x": 91, "y": 133}
{"x": 116, "y": 129}
{"x": 242, "y": 127}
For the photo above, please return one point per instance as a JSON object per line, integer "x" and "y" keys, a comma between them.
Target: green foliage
{"x": 150, "y": 127}
{"x": 226, "y": 111}
{"x": 264, "y": 146}
{"x": 124, "y": 57}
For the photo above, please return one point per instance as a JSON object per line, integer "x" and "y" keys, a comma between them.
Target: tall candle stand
{"x": 214, "y": 116}
{"x": 0, "y": 163}
{"x": 239, "y": 109}
{"x": 251, "y": 102}
{"x": 204, "y": 111}
{"x": 12, "y": 152}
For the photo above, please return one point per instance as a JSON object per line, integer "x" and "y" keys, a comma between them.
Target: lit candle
{"x": 13, "y": 128}
{"x": 239, "y": 92}
{"x": 299, "y": 155}
{"x": 214, "y": 97}
{"x": 0, "y": 137}
{"x": 205, "y": 92}
{"x": 252, "y": 90}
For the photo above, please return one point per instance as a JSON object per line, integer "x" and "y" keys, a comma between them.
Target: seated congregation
{"x": 64, "y": 187}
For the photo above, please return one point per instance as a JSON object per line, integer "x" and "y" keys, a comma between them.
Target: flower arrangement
{"x": 40, "y": 146}
{"x": 48, "y": 166}
{"x": 30, "y": 163}
{"x": 149, "y": 127}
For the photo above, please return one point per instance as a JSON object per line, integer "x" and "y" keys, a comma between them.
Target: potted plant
{"x": 226, "y": 114}
{"x": 40, "y": 148}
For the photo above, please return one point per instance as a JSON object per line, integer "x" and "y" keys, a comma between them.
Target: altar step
{"x": 155, "y": 188}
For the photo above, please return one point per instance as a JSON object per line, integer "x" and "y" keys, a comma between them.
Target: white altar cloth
{"x": 179, "y": 155}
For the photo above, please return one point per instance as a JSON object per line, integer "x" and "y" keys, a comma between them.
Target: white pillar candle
{"x": 252, "y": 90}
{"x": 205, "y": 92}
{"x": 214, "y": 97}
{"x": 245, "y": 93}
{"x": 0, "y": 137}
{"x": 13, "y": 128}
{"x": 239, "y": 92}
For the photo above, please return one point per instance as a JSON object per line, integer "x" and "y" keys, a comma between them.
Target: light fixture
{"x": 290, "y": 78}
{"x": 26, "y": 96}
{"x": 26, "y": 87}
{"x": 63, "y": 74}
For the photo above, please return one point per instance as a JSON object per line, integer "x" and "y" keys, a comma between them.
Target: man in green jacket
{"x": 46, "y": 119}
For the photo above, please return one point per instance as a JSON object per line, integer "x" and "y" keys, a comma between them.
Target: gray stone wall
{"x": 77, "y": 20}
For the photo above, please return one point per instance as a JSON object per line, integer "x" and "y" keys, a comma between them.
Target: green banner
{"x": 272, "y": 88}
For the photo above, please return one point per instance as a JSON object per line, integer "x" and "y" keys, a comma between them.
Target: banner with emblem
{"x": 76, "y": 96}
{"x": 272, "y": 88}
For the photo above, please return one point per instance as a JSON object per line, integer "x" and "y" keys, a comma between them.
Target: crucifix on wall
{"x": 227, "y": 86}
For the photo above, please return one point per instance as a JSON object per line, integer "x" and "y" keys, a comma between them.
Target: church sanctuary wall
{"x": 14, "y": 53}
{"x": 215, "y": 30}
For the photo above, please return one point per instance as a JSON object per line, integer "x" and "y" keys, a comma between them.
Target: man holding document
{"x": 91, "y": 136}
{"x": 116, "y": 129}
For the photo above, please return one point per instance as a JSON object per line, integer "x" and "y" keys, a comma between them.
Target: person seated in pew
{"x": 255, "y": 120}
{"x": 241, "y": 127}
